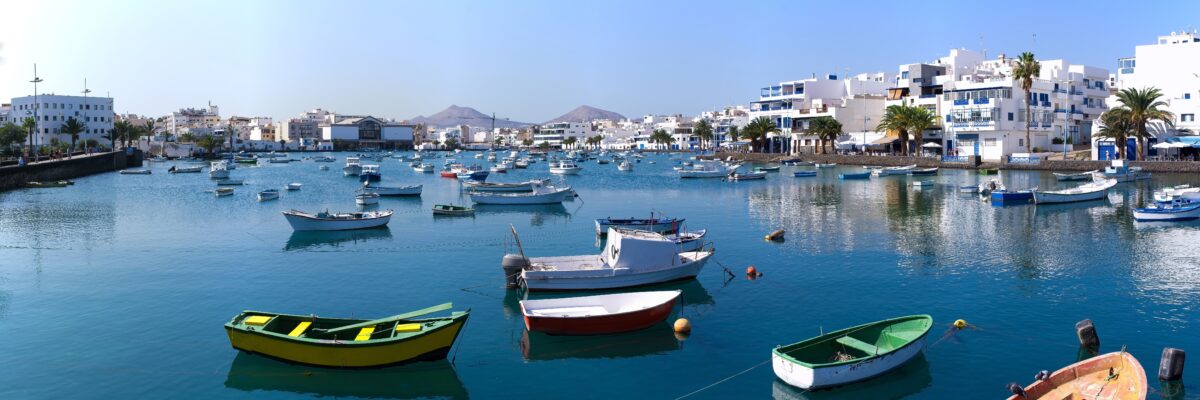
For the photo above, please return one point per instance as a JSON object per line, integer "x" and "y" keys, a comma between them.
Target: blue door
{"x": 1131, "y": 149}
{"x": 1106, "y": 152}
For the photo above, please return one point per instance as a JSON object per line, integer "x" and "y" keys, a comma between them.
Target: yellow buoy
{"x": 960, "y": 324}
{"x": 683, "y": 326}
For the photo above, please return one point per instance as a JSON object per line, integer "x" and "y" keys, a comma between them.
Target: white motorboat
{"x": 424, "y": 167}
{"x": 411, "y": 190}
{"x": 185, "y": 170}
{"x": 705, "y": 170}
{"x": 1183, "y": 207}
{"x": 538, "y": 194}
{"x": 269, "y": 194}
{"x": 521, "y": 163}
{"x": 565, "y": 167}
{"x": 135, "y": 172}
{"x": 1088, "y": 191}
{"x": 625, "y": 166}
{"x": 293, "y": 186}
{"x": 323, "y": 159}
{"x": 889, "y": 171}
{"x": 481, "y": 186}
{"x": 498, "y": 169}
{"x": 630, "y": 258}
{"x": 688, "y": 241}
{"x": 219, "y": 170}
{"x": 1174, "y": 192}
{"x": 352, "y": 167}
{"x": 326, "y": 221}
{"x": 747, "y": 176}
{"x": 324, "y": 168}
{"x": 366, "y": 198}
{"x": 825, "y": 165}
{"x": 1121, "y": 172}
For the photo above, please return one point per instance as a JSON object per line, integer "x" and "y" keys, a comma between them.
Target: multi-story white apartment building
{"x": 793, "y": 104}
{"x": 53, "y": 110}
{"x": 553, "y": 134}
{"x": 5, "y": 111}
{"x": 723, "y": 119}
{"x": 304, "y": 129}
{"x": 197, "y": 121}
{"x": 1170, "y": 64}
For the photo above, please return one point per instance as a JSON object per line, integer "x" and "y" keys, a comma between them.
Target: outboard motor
{"x": 513, "y": 264}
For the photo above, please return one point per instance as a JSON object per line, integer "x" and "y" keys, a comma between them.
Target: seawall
{"x": 12, "y": 176}
{"x": 926, "y": 162}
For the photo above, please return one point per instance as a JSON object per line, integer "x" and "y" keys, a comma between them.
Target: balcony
{"x": 982, "y": 100}
{"x": 961, "y": 102}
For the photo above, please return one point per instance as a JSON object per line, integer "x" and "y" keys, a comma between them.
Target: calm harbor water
{"x": 118, "y": 286}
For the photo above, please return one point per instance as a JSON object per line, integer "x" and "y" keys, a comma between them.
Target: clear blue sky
{"x": 525, "y": 60}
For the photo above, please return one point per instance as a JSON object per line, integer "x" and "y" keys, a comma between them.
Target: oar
{"x": 441, "y": 307}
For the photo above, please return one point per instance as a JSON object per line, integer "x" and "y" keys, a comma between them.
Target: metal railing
{"x": 1024, "y": 160}
{"x": 956, "y": 159}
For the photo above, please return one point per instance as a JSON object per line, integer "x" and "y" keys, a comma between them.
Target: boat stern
{"x": 790, "y": 372}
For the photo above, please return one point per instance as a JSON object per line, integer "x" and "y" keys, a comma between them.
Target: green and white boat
{"x": 851, "y": 354}
{"x": 450, "y": 209}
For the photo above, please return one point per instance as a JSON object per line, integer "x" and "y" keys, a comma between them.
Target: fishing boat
{"x": 279, "y": 160}
{"x": 323, "y": 159}
{"x": 294, "y": 186}
{"x": 369, "y": 173}
{"x": 366, "y": 198}
{"x": 327, "y": 221}
{"x": 223, "y": 191}
{"x": 1066, "y": 177}
{"x": 767, "y": 169}
{"x": 269, "y": 194}
{"x": 499, "y": 169}
{"x": 521, "y": 163}
{"x": 852, "y": 354}
{"x": 988, "y": 171}
{"x": 502, "y": 187}
{"x": 748, "y": 176}
{"x": 855, "y": 175}
{"x": 704, "y": 170}
{"x": 565, "y": 167}
{"x": 688, "y": 241}
{"x": 245, "y": 160}
{"x": 539, "y": 194}
{"x": 804, "y": 174}
{"x": 410, "y": 190}
{"x": 1114, "y": 376}
{"x": 1089, "y": 191}
{"x": 347, "y": 343}
{"x": 598, "y": 315}
{"x": 890, "y": 171}
{"x": 424, "y": 167}
{"x": 219, "y": 170}
{"x": 55, "y": 184}
{"x": 629, "y": 258}
{"x": 1174, "y": 208}
{"x": 230, "y": 182}
{"x": 825, "y": 165}
{"x": 798, "y": 163}
{"x": 1174, "y": 192}
{"x": 652, "y": 224}
{"x": 452, "y": 210}
{"x": 625, "y": 166}
{"x": 185, "y": 170}
{"x": 449, "y": 171}
{"x": 1121, "y": 172}
{"x": 923, "y": 171}
{"x": 475, "y": 175}
{"x": 135, "y": 172}
{"x": 1004, "y": 196}
{"x": 352, "y": 167}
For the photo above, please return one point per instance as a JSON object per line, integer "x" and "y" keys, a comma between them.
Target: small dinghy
{"x": 598, "y": 315}
{"x": 452, "y": 210}
{"x": 223, "y": 191}
{"x": 968, "y": 189}
{"x": 366, "y": 199}
{"x": 855, "y": 175}
{"x": 327, "y": 221}
{"x": 185, "y": 170}
{"x": 924, "y": 171}
{"x": 480, "y": 186}
{"x": 135, "y": 172}
{"x": 1082, "y": 176}
{"x": 411, "y": 190}
{"x": 229, "y": 182}
{"x": 1115, "y": 376}
{"x": 652, "y": 224}
{"x": 767, "y": 169}
{"x": 347, "y": 343}
{"x": 749, "y": 176}
{"x": 921, "y": 184}
{"x": 540, "y": 194}
{"x": 852, "y": 354}
{"x": 324, "y": 168}
{"x": 804, "y": 174}
{"x": 827, "y": 165}
{"x": 1172, "y": 208}
{"x": 56, "y": 184}
{"x": 1090, "y": 191}
{"x": 688, "y": 241}
{"x": 269, "y": 194}
{"x": 293, "y": 186}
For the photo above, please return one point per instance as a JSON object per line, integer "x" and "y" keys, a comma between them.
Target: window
{"x": 1187, "y": 117}
{"x": 1187, "y": 96}
{"x": 1020, "y": 142}
{"x": 1010, "y": 116}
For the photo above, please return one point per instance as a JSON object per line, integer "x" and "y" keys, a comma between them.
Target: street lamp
{"x": 36, "y": 119}
{"x": 85, "y": 111}
{"x": 864, "y": 134}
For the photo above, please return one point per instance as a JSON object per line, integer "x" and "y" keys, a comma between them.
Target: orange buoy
{"x": 751, "y": 271}
{"x": 775, "y": 235}
{"x": 683, "y": 326}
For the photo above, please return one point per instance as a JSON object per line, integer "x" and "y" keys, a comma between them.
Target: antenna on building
{"x": 981, "y": 49}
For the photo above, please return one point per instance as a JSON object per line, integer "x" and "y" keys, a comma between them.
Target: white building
{"x": 554, "y": 134}
{"x": 52, "y": 110}
{"x": 197, "y": 121}
{"x": 793, "y": 104}
{"x": 724, "y": 119}
{"x": 304, "y": 129}
{"x": 5, "y": 111}
{"x": 366, "y": 132}
{"x": 1172, "y": 64}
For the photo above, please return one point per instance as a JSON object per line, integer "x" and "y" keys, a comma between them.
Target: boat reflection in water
{"x": 436, "y": 379}
{"x": 538, "y": 213}
{"x": 911, "y": 378}
{"x": 657, "y": 339}
{"x": 318, "y": 240}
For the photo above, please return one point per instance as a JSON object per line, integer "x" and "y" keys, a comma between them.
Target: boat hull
{"x": 599, "y": 324}
{"x": 1088, "y": 379}
{"x": 809, "y": 378}
{"x": 657, "y": 226}
{"x": 414, "y": 190}
{"x": 685, "y": 174}
{"x": 548, "y": 198}
{"x": 1004, "y": 196}
{"x": 369, "y": 177}
{"x": 434, "y": 345}
{"x": 300, "y": 223}
{"x": 863, "y": 175}
{"x": 804, "y": 174}
{"x": 1167, "y": 214}
{"x": 565, "y": 171}
{"x": 610, "y": 279}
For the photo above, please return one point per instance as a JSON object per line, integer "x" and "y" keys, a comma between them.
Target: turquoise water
{"x": 118, "y": 286}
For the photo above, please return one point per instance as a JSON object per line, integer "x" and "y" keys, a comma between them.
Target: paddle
{"x": 440, "y": 307}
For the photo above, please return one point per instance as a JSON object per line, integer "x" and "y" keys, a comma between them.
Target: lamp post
{"x": 37, "y": 122}
{"x": 864, "y": 134}
{"x": 85, "y": 113}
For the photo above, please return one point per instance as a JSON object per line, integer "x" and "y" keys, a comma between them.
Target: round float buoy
{"x": 959, "y": 323}
{"x": 683, "y": 326}
{"x": 751, "y": 271}
{"x": 774, "y": 235}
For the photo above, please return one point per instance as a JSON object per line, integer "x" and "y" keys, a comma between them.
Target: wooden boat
{"x": 852, "y": 354}
{"x": 598, "y": 315}
{"x": 1081, "y": 176}
{"x": 135, "y": 172}
{"x": 889, "y": 171}
{"x": 1089, "y": 191}
{"x": 1174, "y": 208}
{"x": 767, "y": 169}
{"x": 369, "y": 173}
{"x": 411, "y": 190}
{"x": 923, "y": 171}
{"x": 293, "y": 186}
{"x": 219, "y": 170}
{"x": 748, "y": 176}
{"x": 855, "y": 175}
{"x": 327, "y": 221}
{"x": 541, "y": 194}
{"x": 185, "y": 170}
{"x": 223, "y": 191}
{"x": 825, "y": 165}
{"x": 652, "y": 224}
{"x": 804, "y": 174}
{"x": 526, "y": 186}
{"x": 475, "y": 175}
{"x": 688, "y": 241}
{"x": 56, "y": 184}
{"x": 366, "y": 198}
{"x": 229, "y": 182}
{"x": 347, "y": 343}
{"x": 988, "y": 171}
{"x": 275, "y": 160}
{"x": 1112, "y": 376}
{"x": 629, "y": 258}
{"x": 269, "y": 194}
{"x": 450, "y": 209}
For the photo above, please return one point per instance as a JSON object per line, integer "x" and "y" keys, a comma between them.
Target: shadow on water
{"x": 538, "y": 214}
{"x": 318, "y": 240}
{"x": 909, "y": 379}
{"x": 427, "y": 379}
{"x": 657, "y": 339}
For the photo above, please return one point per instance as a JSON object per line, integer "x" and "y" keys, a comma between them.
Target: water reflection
{"x": 657, "y": 339}
{"x": 316, "y": 240}
{"x": 911, "y": 378}
{"x": 427, "y": 379}
{"x": 538, "y": 214}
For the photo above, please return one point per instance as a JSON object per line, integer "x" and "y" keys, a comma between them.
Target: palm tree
{"x": 661, "y": 137}
{"x": 1143, "y": 107}
{"x": 759, "y": 129}
{"x": 120, "y": 132}
{"x": 895, "y": 119}
{"x": 1024, "y": 70}
{"x": 208, "y": 143}
{"x": 73, "y": 127}
{"x": 527, "y": 142}
{"x": 826, "y": 128}
{"x": 918, "y": 119}
{"x": 149, "y": 127}
{"x": 29, "y": 124}
{"x": 733, "y": 133}
{"x": 187, "y": 137}
{"x": 451, "y": 143}
{"x": 570, "y": 141}
{"x": 704, "y": 131}
{"x": 1116, "y": 126}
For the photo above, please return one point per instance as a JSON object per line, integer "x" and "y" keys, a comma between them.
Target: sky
{"x": 528, "y": 61}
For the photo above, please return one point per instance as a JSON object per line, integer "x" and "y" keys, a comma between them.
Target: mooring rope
{"x": 725, "y": 379}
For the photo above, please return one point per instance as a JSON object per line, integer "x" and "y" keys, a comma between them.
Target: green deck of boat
{"x": 859, "y": 342}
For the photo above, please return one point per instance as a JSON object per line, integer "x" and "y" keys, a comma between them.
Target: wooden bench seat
{"x": 858, "y": 345}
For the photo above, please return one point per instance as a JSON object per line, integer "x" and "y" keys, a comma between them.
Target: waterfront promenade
{"x": 15, "y": 176}
{"x": 927, "y": 162}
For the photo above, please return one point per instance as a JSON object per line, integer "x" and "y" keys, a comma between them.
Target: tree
{"x": 10, "y": 133}
{"x": 757, "y": 130}
{"x": 826, "y": 128}
{"x": 544, "y": 145}
{"x": 1143, "y": 106}
{"x": 527, "y": 142}
{"x": 451, "y": 143}
{"x": 209, "y": 143}
{"x": 733, "y": 133}
{"x": 660, "y": 136}
{"x": 894, "y": 120}
{"x": 187, "y": 137}
{"x": 704, "y": 131}
{"x": 282, "y": 143}
{"x": 29, "y": 124}
{"x": 73, "y": 127}
{"x": 1024, "y": 70}
{"x": 497, "y": 141}
{"x": 148, "y": 128}
{"x": 570, "y": 141}
{"x": 118, "y": 132}
{"x": 917, "y": 120}
{"x": 1117, "y": 125}
{"x": 594, "y": 141}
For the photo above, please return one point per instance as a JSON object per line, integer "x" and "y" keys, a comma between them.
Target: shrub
{"x": 1057, "y": 140}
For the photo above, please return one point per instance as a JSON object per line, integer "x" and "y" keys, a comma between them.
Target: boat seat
{"x": 300, "y": 328}
{"x": 365, "y": 333}
{"x": 407, "y": 328}
{"x": 257, "y": 320}
{"x": 858, "y": 344}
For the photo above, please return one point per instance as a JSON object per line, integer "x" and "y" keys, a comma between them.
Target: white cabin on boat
{"x": 630, "y": 258}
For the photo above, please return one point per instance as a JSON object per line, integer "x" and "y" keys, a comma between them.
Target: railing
{"x": 961, "y": 102}
{"x": 956, "y": 159}
{"x": 928, "y": 96}
{"x": 981, "y": 100}
{"x": 1024, "y": 160}
{"x": 1060, "y": 90}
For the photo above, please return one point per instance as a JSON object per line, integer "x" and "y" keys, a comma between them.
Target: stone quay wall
{"x": 13, "y": 177}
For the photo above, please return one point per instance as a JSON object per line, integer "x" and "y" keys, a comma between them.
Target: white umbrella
{"x": 1163, "y": 145}
{"x": 1180, "y": 145}
{"x": 932, "y": 145}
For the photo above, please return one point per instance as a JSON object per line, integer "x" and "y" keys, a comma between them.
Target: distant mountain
{"x": 586, "y": 113}
{"x": 455, "y": 115}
